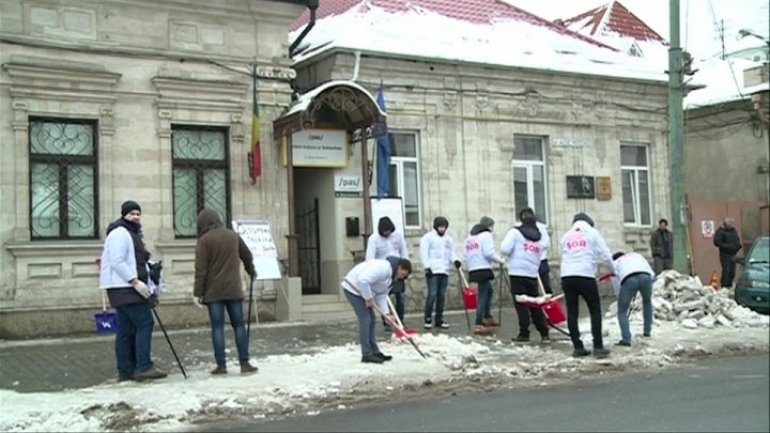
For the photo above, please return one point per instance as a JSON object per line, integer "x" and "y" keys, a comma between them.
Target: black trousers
{"x": 728, "y": 269}
{"x": 528, "y": 286}
{"x": 573, "y": 288}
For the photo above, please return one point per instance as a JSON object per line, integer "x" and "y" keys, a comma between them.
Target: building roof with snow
{"x": 615, "y": 25}
{"x": 473, "y": 31}
{"x": 724, "y": 82}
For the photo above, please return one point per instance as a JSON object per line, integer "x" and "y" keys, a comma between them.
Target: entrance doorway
{"x": 309, "y": 249}
{"x": 314, "y": 222}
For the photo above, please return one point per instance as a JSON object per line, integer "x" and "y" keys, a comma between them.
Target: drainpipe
{"x": 312, "y": 5}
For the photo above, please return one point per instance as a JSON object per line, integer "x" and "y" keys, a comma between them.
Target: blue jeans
{"x": 436, "y": 295}
{"x": 484, "y": 304}
{"x": 635, "y": 283}
{"x": 366, "y": 322}
{"x": 217, "y": 317}
{"x": 133, "y": 341}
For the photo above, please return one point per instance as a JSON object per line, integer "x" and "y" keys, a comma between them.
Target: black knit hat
{"x": 440, "y": 221}
{"x": 582, "y": 216}
{"x": 128, "y": 206}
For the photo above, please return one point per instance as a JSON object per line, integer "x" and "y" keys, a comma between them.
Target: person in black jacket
{"x": 729, "y": 243}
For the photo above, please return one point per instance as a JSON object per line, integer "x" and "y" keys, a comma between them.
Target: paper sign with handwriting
{"x": 258, "y": 237}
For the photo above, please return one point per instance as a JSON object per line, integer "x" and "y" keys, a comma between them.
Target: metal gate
{"x": 309, "y": 250}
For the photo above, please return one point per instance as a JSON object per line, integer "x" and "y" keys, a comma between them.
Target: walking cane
{"x": 163, "y": 328}
{"x": 251, "y": 296}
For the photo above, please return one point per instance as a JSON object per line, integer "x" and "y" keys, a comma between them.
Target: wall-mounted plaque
{"x": 603, "y": 188}
{"x": 580, "y": 187}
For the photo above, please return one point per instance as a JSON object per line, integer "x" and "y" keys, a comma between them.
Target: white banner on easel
{"x": 258, "y": 237}
{"x": 391, "y": 207}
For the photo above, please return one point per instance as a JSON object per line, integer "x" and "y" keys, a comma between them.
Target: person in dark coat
{"x": 218, "y": 285}
{"x": 662, "y": 247}
{"x": 729, "y": 243}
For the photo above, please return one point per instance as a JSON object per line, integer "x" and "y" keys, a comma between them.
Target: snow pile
{"x": 686, "y": 300}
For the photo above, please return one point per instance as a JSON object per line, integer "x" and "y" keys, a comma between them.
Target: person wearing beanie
{"x": 544, "y": 269}
{"x": 366, "y": 287}
{"x": 480, "y": 255}
{"x": 581, "y": 246}
{"x": 487, "y": 222}
{"x": 437, "y": 253}
{"x": 129, "y": 206}
{"x": 124, "y": 275}
{"x": 523, "y": 245}
{"x": 389, "y": 242}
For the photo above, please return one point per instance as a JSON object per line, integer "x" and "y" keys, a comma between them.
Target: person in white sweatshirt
{"x": 388, "y": 242}
{"x": 523, "y": 246}
{"x": 367, "y": 284}
{"x": 480, "y": 255}
{"x": 632, "y": 274}
{"x": 582, "y": 246}
{"x": 545, "y": 269}
{"x": 437, "y": 253}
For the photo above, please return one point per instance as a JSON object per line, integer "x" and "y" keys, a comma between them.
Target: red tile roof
{"x": 474, "y": 11}
{"x": 616, "y": 18}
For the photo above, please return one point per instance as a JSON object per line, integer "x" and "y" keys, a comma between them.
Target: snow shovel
{"x": 396, "y": 324}
{"x": 400, "y": 334}
{"x": 470, "y": 297}
{"x": 106, "y": 321}
{"x": 503, "y": 277}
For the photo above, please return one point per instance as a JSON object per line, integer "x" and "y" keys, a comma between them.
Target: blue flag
{"x": 383, "y": 151}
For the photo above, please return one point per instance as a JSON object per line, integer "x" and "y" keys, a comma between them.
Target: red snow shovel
{"x": 470, "y": 297}
{"x": 401, "y": 332}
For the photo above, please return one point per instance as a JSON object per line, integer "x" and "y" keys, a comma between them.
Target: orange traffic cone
{"x": 714, "y": 281}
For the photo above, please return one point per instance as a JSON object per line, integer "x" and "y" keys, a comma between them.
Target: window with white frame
{"x": 635, "y": 174}
{"x": 404, "y": 175}
{"x": 529, "y": 175}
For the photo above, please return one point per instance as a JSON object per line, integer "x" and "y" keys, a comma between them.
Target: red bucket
{"x": 554, "y": 312}
{"x": 470, "y": 298}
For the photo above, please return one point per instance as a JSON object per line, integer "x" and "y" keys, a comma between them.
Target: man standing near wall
{"x": 388, "y": 242}
{"x": 437, "y": 253}
{"x": 662, "y": 247}
{"x": 729, "y": 243}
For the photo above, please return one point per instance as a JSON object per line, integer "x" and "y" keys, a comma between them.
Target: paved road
{"x": 728, "y": 394}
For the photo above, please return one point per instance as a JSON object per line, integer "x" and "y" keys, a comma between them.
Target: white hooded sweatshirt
{"x": 627, "y": 264}
{"x": 373, "y": 279}
{"x": 380, "y": 247}
{"x": 437, "y": 252}
{"x": 480, "y": 251}
{"x": 523, "y": 253}
{"x": 581, "y": 247}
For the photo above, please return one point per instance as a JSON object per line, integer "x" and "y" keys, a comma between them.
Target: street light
{"x": 745, "y": 33}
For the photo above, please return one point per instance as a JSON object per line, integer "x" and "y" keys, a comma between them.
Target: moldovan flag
{"x": 256, "y": 152}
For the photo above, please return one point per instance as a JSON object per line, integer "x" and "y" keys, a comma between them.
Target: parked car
{"x": 753, "y": 287}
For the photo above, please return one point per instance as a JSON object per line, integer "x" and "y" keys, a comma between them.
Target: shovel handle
{"x": 462, "y": 278}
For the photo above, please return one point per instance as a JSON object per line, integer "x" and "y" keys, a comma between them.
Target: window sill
{"x": 176, "y": 246}
{"x": 48, "y": 248}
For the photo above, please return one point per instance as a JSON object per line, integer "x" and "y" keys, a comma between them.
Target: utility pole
{"x": 679, "y": 211}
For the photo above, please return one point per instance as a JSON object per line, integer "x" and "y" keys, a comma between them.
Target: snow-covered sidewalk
{"x": 691, "y": 322}
{"x": 333, "y": 378}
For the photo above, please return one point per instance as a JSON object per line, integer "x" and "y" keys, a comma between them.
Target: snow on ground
{"x": 334, "y": 378}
